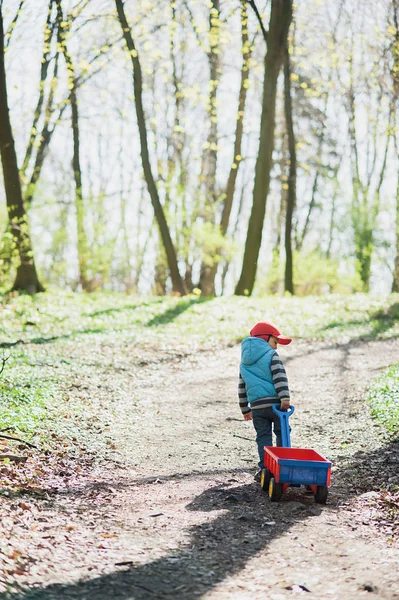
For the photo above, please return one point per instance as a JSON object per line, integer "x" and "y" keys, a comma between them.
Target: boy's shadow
{"x": 246, "y": 522}
{"x": 217, "y": 548}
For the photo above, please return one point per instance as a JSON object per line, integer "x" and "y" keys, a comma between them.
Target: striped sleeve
{"x": 280, "y": 379}
{"x": 242, "y": 396}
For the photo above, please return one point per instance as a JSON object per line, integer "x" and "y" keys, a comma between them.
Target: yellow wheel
{"x": 321, "y": 494}
{"x": 275, "y": 490}
{"x": 265, "y": 479}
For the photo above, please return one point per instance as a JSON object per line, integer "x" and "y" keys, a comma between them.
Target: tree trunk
{"x": 49, "y": 31}
{"x": 177, "y": 281}
{"x": 333, "y": 211}
{"x": 208, "y": 271}
{"x": 232, "y": 178}
{"x": 280, "y": 19}
{"x": 161, "y": 273}
{"x": 178, "y": 161}
{"x": 291, "y": 196}
{"x": 395, "y": 77}
{"x": 242, "y": 97}
{"x": 26, "y": 278}
{"x": 365, "y": 212}
{"x": 41, "y": 140}
{"x": 82, "y": 247}
{"x": 312, "y": 203}
{"x": 395, "y": 282}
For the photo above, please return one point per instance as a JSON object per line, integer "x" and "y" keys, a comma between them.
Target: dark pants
{"x": 263, "y": 419}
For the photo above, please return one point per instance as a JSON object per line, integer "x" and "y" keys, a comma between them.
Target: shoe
{"x": 257, "y": 475}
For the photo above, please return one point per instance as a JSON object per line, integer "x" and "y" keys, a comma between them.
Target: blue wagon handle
{"x": 284, "y": 415}
{"x": 294, "y": 467}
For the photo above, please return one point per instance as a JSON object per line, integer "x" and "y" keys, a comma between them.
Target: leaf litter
{"x": 94, "y": 505}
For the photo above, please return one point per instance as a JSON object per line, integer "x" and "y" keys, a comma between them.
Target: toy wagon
{"x": 293, "y": 467}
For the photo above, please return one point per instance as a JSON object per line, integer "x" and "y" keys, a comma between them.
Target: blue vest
{"x": 256, "y": 356}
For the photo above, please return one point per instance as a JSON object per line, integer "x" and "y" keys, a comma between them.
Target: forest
{"x": 221, "y": 147}
{"x": 173, "y": 173}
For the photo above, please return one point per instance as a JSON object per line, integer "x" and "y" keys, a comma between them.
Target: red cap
{"x": 264, "y": 329}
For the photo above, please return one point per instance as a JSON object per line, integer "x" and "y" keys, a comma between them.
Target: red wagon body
{"x": 286, "y": 466}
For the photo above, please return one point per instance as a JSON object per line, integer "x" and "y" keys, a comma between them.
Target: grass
{"x": 384, "y": 399}
{"x": 57, "y": 338}
{"x": 46, "y": 318}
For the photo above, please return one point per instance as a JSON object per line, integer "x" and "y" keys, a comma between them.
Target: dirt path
{"x": 176, "y": 513}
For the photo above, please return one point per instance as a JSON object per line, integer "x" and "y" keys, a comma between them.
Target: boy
{"x": 262, "y": 383}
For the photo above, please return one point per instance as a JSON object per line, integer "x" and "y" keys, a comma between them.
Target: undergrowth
{"x": 383, "y": 398}
{"x": 57, "y": 339}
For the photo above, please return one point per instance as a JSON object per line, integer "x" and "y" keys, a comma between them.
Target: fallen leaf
{"x": 297, "y": 588}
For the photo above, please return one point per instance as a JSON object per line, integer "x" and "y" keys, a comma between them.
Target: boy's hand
{"x": 248, "y": 417}
{"x": 285, "y": 404}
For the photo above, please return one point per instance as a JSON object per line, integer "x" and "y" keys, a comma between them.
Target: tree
{"x": 366, "y": 196}
{"x": 291, "y": 195}
{"x": 207, "y": 274}
{"x": 246, "y": 49}
{"x": 395, "y": 280}
{"x": 276, "y": 39}
{"x": 395, "y": 79}
{"x": 177, "y": 281}
{"x": 73, "y": 84}
{"x": 26, "y": 278}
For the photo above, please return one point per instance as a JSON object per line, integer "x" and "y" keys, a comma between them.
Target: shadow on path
{"x": 217, "y": 549}
{"x": 223, "y": 546}
{"x": 245, "y": 523}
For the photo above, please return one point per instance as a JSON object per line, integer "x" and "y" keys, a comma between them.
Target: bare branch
{"x": 192, "y": 20}
{"x": 77, "y": 10}
{"x": 49, "y": 31}
{"x": 13, "y": 23}
{"x": 3, "y": 361}
{"x": 14, "y": 458}
{"x": 17, "y": 439}
{"x": 262, "y": 27}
